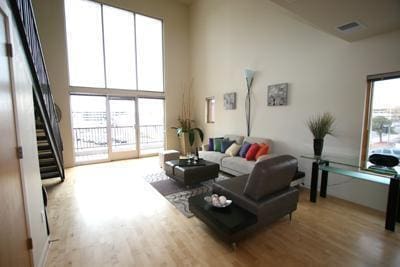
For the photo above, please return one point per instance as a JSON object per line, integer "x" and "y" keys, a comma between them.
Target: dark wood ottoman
{"x": 231, "y": 223}
{"x": 190, "y": 175}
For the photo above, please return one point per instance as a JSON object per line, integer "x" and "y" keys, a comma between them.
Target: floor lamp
{"x": 249, "y": 74}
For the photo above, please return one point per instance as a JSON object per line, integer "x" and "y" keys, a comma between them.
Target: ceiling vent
{"x": 350, "y": 27}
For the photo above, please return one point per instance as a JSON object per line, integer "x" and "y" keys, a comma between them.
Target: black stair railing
{"x": 25, "y": 20}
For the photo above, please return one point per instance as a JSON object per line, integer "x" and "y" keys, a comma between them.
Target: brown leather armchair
{"x": 265, "y": 192}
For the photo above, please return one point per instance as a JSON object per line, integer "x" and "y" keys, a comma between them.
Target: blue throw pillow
{"x": 243, "y": 150}
{"x": 225, "y": 145}
{"x": 210, "y": 144}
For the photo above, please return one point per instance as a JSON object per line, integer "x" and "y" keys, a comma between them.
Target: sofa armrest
{"x": 205, "y": 147}
{"x": 277, "y": 205}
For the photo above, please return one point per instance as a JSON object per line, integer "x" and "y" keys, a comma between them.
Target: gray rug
{"x": 177, "y": 193}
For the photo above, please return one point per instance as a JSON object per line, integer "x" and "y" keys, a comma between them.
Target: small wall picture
{"x": 277, "y": 94}
{"x": 230, "y": 101}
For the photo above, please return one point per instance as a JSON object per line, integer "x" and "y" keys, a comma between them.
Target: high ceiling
{"x": 374, "y": 16}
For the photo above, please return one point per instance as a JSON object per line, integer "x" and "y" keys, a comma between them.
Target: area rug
{"x": 177, "y": 193}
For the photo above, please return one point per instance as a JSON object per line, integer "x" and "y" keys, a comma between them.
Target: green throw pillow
{"x": 218, "y": 143}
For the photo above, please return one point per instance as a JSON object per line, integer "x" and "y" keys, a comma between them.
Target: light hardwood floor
{"x": 106, "y": 215}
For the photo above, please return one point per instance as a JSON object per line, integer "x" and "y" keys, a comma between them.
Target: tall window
{"x": 113, "y": 48}
{"x": 382, "y": 131}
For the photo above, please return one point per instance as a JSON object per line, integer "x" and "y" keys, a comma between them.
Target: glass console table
{"x": 351, "y": 167}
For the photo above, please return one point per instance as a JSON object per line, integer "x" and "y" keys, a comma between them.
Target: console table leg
{"x": 314, "y": 182}
{"x": 398, "y": 204}
{"x": 324, "y": 182}
{"x": 392, "y": 205}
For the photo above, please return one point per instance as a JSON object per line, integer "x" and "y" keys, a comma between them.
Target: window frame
{"x": 110, "y": 89}
{"x": 368, "y": 111}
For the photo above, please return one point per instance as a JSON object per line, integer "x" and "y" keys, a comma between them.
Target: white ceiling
{"x": 378, "y": 16}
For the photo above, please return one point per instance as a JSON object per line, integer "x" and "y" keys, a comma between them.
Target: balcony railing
{"x": 88, "y": 140}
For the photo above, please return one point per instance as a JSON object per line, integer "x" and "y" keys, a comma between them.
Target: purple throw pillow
{"x": 243, "y": 150}
{"x": 210, "y": 144}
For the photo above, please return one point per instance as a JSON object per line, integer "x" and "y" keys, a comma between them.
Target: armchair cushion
{"x": 270, "y": 176}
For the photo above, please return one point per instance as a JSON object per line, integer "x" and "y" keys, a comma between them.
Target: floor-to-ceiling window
{"x": 116, "y": 78}
{"x": 382, "y": 126}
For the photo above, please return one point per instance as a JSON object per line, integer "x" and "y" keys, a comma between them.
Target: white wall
{"x": 29, "y": 164}
{"x": 324, "y": 74}
{"x": 51, "y": 24}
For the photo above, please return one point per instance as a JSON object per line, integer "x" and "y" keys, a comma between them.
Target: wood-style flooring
{"x": 106, "y": 215}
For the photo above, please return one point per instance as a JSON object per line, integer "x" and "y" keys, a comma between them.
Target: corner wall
{"x": 51, "y": 23}
{"x": 324, "y": 74}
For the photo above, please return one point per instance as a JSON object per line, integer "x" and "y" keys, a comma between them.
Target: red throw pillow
{"x": 262, "y": 151}
{"x": 251, "y": 153}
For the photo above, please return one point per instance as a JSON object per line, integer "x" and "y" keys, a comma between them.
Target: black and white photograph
{"x": 277, "y": 94}
{"x": 230, "y": 101}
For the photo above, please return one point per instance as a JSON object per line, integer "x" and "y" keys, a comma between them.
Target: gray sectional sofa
{"x": 236, "y": 165}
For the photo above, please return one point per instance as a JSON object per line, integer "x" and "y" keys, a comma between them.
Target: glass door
{"x": 151, "y": 128}
{"x": 89, "y": 128}
{"x": 110, "y": 127}
{"x": 122, "y": 127}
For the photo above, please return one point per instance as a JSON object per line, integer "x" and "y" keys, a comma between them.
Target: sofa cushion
{"x": 226, "y": 143}
{"x": 237, "y": 138}
{"x": 211, "y": 144}
{"x": 233, "y": 150}
{"x": 212, "y": 156}
{"x": 243, "y": 150}
{"x": 238, "y": 164}
{"x": 262, "y": 151}
{"x": 251, "y": 153}
{"x": 217, "y": 144}
{"x": 270, "y": 176}
{"x": 258, "y": 140}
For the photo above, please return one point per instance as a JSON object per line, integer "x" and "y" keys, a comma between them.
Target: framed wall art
{"x": 230, "y": 101}
{"x": 278, "y": 94}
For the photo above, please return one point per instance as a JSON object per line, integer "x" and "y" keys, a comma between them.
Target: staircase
{"x": 47, "y": 161}
{"x": 48, "y": 135}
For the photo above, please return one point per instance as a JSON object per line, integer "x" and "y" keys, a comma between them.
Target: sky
{"x": 386, "y": 94}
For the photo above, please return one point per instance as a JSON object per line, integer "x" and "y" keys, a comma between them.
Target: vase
{"x": 184, "y": 142}
{"x": 318, "y": 146}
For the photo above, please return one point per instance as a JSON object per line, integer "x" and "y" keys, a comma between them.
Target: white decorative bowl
{"x": 208, "y": 199}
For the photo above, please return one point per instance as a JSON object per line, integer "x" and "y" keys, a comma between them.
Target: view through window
{"x": 384, "y": 126}
{"x": 109, "y": 127}
{"x": 113, "y": 48}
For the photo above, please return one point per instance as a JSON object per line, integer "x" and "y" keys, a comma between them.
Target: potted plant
{"x": 186, "y": 130}
{"x": 187, "y": 134}
{"x": 320, "y": 126}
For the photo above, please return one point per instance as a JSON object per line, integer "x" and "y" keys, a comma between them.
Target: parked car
{"x": 386, "y": 151}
